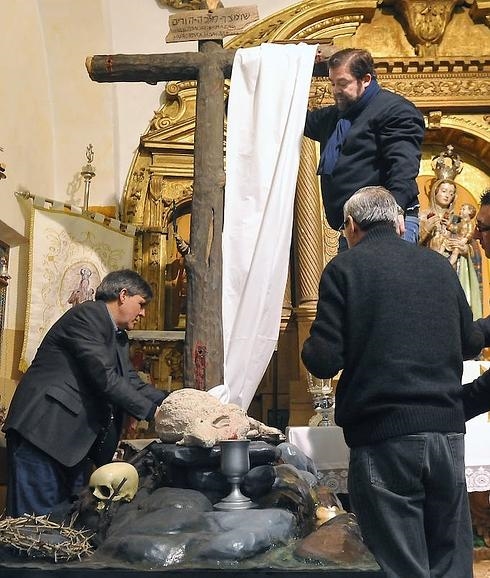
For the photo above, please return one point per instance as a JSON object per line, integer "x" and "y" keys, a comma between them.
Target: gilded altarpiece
{"x": 434, "y": 53}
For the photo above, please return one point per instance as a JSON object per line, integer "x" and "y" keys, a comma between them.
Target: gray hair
{"x": 115, "y": 281}
{"x": 371, "y": 205}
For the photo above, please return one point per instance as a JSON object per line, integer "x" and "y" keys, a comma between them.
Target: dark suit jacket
{"x": 78, "y": 378}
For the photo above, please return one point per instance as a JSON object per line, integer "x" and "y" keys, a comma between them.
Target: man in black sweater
{"x": 482, "y": 228}
{"x": 370, "y": 136}
{"x": 476, "y": 395}
{"x": 393, "y": 316}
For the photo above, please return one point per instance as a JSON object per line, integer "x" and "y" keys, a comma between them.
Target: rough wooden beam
{"x": 153, "y": 68}
{"x": 203, "y": 346}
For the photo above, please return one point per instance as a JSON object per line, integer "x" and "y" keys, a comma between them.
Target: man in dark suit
{"x": 68, "y": 409}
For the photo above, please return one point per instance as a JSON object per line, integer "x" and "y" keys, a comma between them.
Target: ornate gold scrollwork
{"x": 427, "y": 21}
{"x": 434, "y": 119}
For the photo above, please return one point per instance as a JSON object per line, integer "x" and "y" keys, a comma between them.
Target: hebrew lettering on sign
{"x": 206, "y": 25}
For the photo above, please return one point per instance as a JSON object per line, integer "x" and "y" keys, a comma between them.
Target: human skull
{"x": 117, "y": 481}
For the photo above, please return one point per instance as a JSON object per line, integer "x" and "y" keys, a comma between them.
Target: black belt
{"x": 412, "y": 212}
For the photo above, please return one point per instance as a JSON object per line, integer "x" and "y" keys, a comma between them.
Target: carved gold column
{"x": 309, "y": 267}
{"x": 309, "y": 231}
{"x": 287, "y": 304}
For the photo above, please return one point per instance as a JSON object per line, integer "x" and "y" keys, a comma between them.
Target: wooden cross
{"x": 203, "y": 346}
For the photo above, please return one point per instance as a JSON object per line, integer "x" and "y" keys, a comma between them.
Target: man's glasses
{"x": 482, "y": 228}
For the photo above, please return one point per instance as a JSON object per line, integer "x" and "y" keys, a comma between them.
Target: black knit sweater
{"x": 394, "y": 317}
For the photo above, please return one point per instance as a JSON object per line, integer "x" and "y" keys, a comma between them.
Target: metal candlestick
{"x": 4, "y": 273}
{"x": 235, "y": 463}
{"x": 323, "y": 395}
{"x": 88, "y": 173}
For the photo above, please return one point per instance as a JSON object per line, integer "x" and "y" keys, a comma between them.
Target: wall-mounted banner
{"x": 69, "y": 254}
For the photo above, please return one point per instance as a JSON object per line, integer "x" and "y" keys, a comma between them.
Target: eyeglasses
{"x": 342, "y": 226}
{"x": 481, "y": 228}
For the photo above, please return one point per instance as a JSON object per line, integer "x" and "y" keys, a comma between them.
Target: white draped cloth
{"x": 477, "y": 450}
{"x": 266, "y": 116}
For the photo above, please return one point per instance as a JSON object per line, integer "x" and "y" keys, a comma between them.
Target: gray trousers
{"x": 409, "y": 496}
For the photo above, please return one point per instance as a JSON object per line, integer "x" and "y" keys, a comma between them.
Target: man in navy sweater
{"x": 370, "y": 136}
{"x": 393, "y": 316}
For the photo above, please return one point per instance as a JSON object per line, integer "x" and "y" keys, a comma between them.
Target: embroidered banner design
{"x": 69, "y": 254}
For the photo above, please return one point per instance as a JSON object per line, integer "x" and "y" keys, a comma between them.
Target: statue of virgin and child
{"x": 450, "y": 232}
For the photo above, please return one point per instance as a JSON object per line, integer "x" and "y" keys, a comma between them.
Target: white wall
{"x": 138, "y": 31}
{"x": 26, "y": 117}
{"x": 50, "y": 109}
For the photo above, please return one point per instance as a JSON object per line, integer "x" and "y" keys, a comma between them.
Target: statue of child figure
{"x": 463, "y": 253}
{"x": 461, "y": 228}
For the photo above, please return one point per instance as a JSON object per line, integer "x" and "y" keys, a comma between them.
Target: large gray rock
{"x": 196, "y": 418}
{"x": 177, "y": 527}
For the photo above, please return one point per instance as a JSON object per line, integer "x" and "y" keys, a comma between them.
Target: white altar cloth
{"x": 477, "y": 440}
{"x": 327, "y": 448}
{"x": 325, "y": 445}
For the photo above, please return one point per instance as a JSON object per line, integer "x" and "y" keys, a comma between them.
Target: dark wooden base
{"x": 62, "y": 572}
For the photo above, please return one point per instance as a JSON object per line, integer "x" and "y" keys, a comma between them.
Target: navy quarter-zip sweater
{"x": 382, "y": 147}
